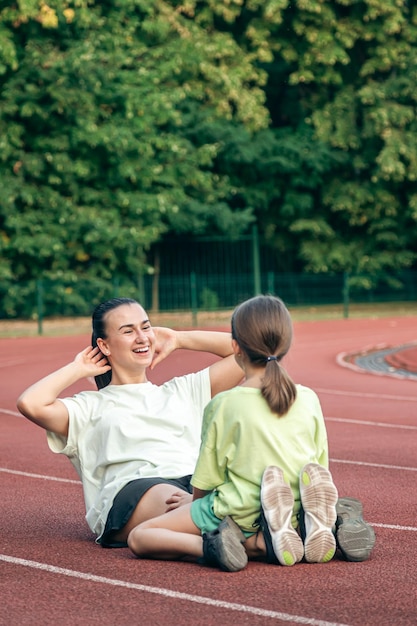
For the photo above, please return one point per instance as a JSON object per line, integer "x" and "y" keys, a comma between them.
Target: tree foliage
{"x": 333, "y": 180}
{"x": 124, "y": 121}
{"x": 98, "y": 105}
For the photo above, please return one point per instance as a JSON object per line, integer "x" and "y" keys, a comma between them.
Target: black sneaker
{"x": 223, "y": 547}
{"x": 355, "y": 538}
{"x": 263, "y": 524}
{"x": 318, "y": 498}
{"x": 282, "y": 541}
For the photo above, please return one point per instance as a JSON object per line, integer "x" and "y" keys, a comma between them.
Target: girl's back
{"x": 241, "y": 436}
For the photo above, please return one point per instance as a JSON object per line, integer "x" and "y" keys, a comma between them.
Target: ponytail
{"x": 278, "y": 389}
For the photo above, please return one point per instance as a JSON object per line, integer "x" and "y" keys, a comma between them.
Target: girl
{"x": 264, "y": 450}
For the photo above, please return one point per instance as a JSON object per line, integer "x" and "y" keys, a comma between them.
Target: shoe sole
{"x": 355, "y": 537}
{"x": 318, "y": 498}
{"x": 278, "y": 502}
{"x": 232, "y": 554}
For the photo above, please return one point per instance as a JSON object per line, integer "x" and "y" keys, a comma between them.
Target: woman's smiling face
{"x": 130, "y": 339}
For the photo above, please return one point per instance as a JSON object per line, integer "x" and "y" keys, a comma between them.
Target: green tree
{"x": 98, "y": 160}
{"x": 124, "y": 121}
{"x": 333, "y": 179}
{"x": 356, "y": 68}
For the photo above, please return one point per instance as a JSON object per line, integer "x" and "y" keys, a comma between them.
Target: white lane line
{"x": 42, "y": 476}
{"x": 77, "y": 482}
{"x": 330, "y": 419}
{"x": 8, "y": 412}
{"x": 20, "y": 361}
{"x": 332, "y": 460}
{"x": 378, "y": 465}
{"x": 361, "y": 394}
{"x": 394, "y": 526}
{"x": 168, "y": 593}
{"x": 370, "y": 423}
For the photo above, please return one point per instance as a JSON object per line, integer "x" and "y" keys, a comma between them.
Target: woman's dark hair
{"x": 262, "y": 327}
{"x": 99, "y": 330}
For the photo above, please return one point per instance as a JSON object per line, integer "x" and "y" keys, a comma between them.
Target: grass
{"x": 186, "y": 319}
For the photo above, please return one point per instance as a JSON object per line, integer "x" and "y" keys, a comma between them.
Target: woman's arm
{"x": 40, "y": 402}
{"x": 224, "y": 374}
{"x": 168, "y": 340}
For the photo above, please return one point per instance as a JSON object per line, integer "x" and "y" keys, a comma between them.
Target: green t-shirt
{"x": 241, "y": 437}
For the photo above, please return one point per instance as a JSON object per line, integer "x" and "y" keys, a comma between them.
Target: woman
{"x": 134, "y": 444}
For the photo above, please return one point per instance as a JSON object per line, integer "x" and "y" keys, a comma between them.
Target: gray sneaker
{"x": 355, "y": 537}
{"x": 318, "y": 498}
{"x": 223, "y": 547}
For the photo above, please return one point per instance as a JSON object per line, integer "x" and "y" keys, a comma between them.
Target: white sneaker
{"x": 318, "y": 499}
{"x": 277, "y": 502}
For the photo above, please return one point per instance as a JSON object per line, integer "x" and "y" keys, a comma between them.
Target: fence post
{"x": 39, "y": 305}
{"x": 256, "y": 262}
{"x": 194, "y": 302}
{"x": 346, "y": 295}
{"x": 271, "y": 283}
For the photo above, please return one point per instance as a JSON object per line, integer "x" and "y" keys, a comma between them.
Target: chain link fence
{"x": 195, "y": 292}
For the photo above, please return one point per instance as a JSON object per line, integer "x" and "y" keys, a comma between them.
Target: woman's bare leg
{"x": 170, "y": 536}
{"x": 152, "y": 504}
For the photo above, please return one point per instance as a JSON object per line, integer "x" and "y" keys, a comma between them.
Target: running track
{"x": 52, "y": 572}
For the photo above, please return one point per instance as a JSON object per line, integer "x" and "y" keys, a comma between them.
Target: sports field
{"x": 52, "y": 572}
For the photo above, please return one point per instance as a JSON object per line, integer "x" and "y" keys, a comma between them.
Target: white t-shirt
{"x": 124, "y": 432}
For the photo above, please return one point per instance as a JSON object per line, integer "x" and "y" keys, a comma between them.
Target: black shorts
{"x": 126, "y": 501}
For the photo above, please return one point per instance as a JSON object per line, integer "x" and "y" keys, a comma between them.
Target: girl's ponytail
{"x": 277, "y": 388}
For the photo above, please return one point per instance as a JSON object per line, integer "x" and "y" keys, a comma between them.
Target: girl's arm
{"x": 40, "y": 402}
{"x": 199, "y": 493}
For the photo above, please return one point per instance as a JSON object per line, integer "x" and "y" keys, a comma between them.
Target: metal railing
{"x": 194, "y": 292}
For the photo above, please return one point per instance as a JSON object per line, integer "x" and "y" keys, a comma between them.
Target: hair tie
{"x": 271, "y": 358}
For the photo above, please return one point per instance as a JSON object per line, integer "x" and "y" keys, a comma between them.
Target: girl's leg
{"x": 172, "y": 535}
{"x": 255, "y": 547}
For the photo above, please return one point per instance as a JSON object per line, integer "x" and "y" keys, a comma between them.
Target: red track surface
{"x": 404, "y": 359}
{"x": 52, "y": 572}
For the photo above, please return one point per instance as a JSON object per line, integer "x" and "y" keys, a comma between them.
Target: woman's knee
{"x": 133, "y": 540}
